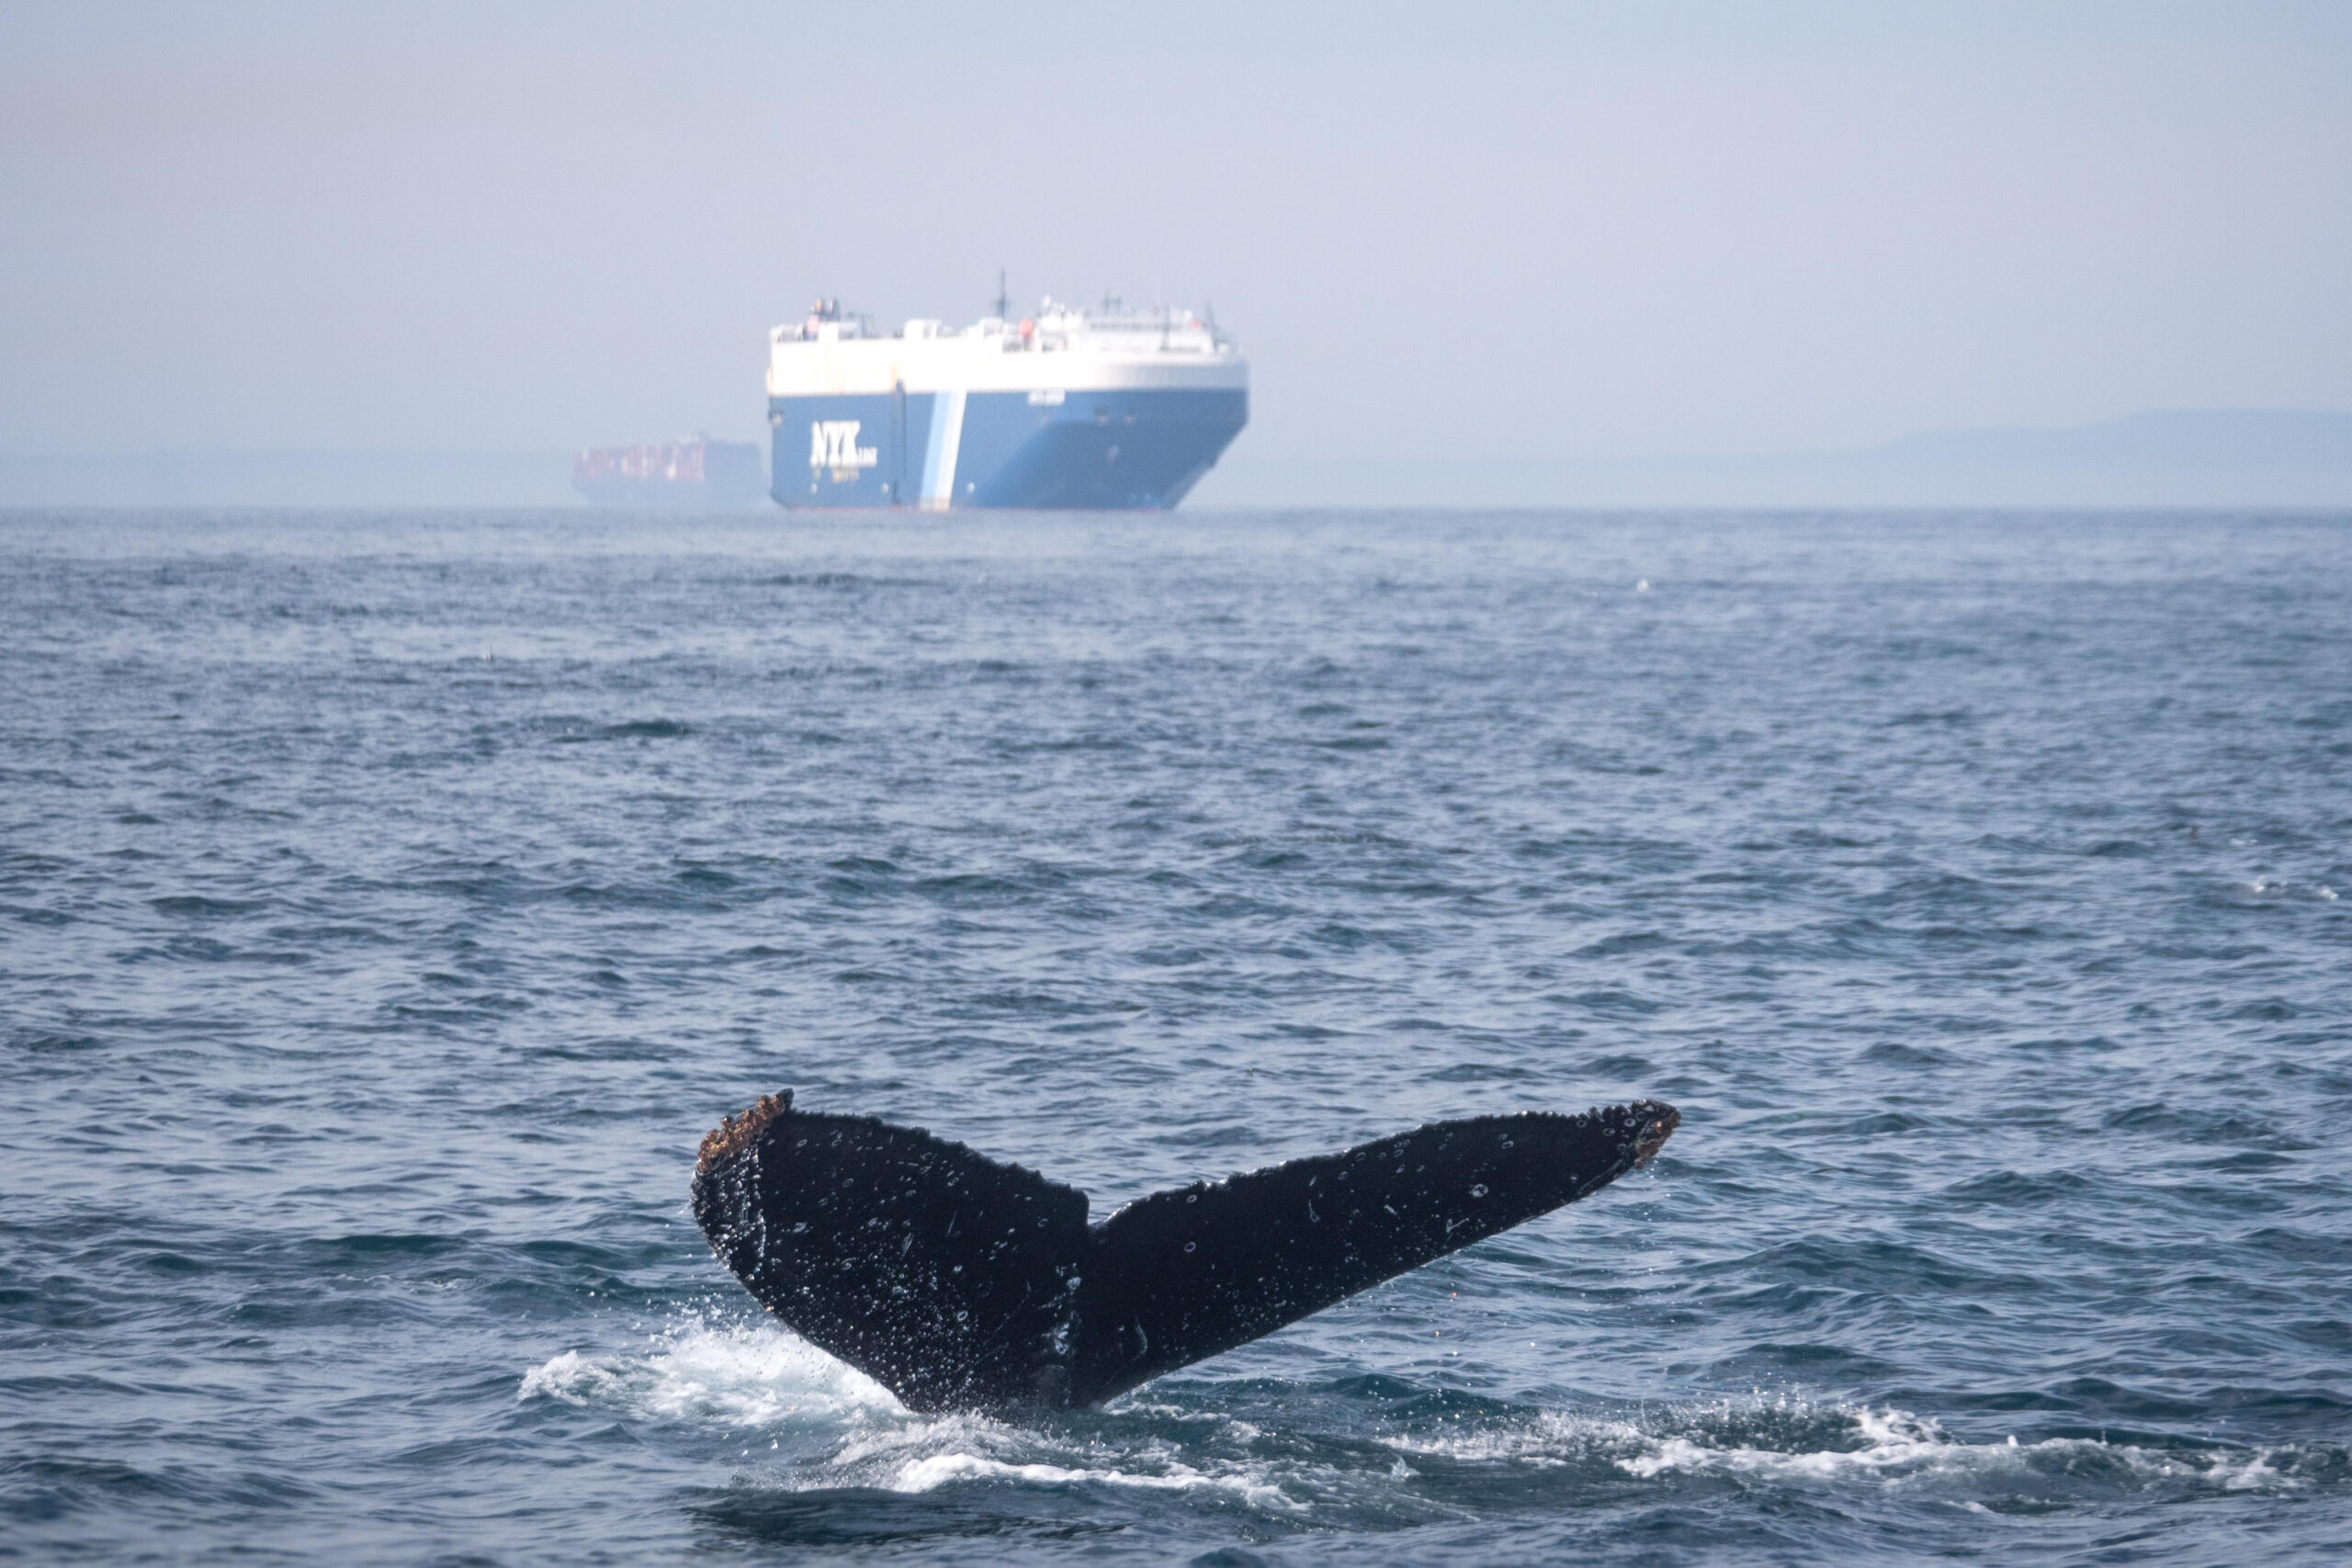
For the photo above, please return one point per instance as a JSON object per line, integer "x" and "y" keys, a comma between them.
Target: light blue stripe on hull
{"x": 940, "y": 453}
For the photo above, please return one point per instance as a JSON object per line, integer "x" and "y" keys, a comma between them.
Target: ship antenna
{"x": 1003, "y": 301}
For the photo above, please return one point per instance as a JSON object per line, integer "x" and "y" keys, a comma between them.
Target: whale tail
{"x": 958, "y": 1282}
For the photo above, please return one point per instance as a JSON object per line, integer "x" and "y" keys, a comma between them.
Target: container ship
{"x": 1114, "y": 408}
{"x": 695, "y": 471}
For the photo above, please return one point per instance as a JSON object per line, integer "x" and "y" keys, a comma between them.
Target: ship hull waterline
{"x": 1112, "y": 449}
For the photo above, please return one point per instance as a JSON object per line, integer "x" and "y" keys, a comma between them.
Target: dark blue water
{"x": 388, "y": 904}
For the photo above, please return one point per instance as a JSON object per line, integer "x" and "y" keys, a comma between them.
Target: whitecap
{"x": 1833, "y": 1444}
{"x": 1900, "y": 1447}
{"x": 748, "y": 1376}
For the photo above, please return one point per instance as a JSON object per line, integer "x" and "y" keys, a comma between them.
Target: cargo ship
{"x": 695, "y": 471}
{"x": 1114, "y": 408}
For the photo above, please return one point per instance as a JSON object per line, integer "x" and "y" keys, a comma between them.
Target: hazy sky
{"x": 1550, "y": 231}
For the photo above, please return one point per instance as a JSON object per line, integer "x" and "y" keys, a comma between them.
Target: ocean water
{"x": 389, "y": 902}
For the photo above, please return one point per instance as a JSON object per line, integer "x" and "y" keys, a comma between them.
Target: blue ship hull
{"x": 1107, "y": 450}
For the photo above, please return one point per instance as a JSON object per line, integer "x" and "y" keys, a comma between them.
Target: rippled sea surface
{"x": 389, "y": 903}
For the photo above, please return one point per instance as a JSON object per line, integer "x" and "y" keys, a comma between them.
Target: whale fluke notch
{"x": 958, "y": 1282}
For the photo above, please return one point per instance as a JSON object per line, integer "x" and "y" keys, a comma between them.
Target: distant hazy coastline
{"x": 2188, "y": 458}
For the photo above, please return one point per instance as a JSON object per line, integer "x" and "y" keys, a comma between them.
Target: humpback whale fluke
{"x": 959, "y": 1282}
